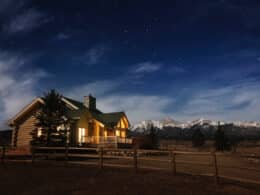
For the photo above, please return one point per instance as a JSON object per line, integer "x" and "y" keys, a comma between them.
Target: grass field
{"x": 242, "y": 167}
{"x": 46, "y": 178}
{"x": 229, "y": 165}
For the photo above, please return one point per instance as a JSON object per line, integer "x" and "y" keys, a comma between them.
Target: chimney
{"x": 90, "y": 102}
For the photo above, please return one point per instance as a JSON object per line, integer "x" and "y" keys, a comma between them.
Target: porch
{"x": 106, "y": 141}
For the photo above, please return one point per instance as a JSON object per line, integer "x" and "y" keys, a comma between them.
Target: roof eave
{"x": 11, "y": 122}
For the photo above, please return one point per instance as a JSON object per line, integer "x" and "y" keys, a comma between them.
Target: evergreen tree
{"x": 153, "y": 137}
{"x": 150, "y": 138}
{"x": 198, "y": 139}
{"x": 52, "y": 121}
{"x": 221, "y": 140}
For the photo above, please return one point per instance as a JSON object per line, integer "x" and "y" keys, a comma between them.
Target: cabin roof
{"x": 108, "y": 119}
{"x": 80, "y": 105}
{"x": 78, "y": 109}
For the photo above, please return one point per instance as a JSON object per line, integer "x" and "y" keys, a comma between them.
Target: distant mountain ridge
{"x": 172, "y": 129}
{"x": 169, "y": 122}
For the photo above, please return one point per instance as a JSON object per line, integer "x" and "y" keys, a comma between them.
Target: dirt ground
{"x": 27, "y": 179}
{"x": 229, "y": 165}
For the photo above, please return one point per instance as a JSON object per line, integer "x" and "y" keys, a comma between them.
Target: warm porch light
{"x": 122, "y": 123}
{"x": 81, "y": 135}
{"x": 123, "y": 134}
{"x": 60, "y": 127}
{"x": 118, "y": 133}
{"x": 39, "y": 132}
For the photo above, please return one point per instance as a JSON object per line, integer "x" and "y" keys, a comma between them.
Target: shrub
{"x": 221, "y": 141}
{"x": 198, "y": 139}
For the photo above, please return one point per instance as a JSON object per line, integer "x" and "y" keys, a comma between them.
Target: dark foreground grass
{"x": 43, "y": 179}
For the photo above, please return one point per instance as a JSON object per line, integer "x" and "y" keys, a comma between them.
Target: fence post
{"x": 3, "y": 154}
{"x": 173, "y": 163}
{"x": 66, "y": 152}
{"x": 101, "y": 157}
{"x": 215, "y": 167}
{"x": 135, "y": 159}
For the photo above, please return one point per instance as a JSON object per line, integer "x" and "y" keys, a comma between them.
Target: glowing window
{"x": 122, "y": 124}
{"x": 118, "y": 133}
{"x": 105, "y": 133}
{"x": 126, "y": 122}
{"x": 61, "y": 127}
{"x": 39, "y": 132}
{"x": 81, "y": 135}
{"x": 123, "y": 134}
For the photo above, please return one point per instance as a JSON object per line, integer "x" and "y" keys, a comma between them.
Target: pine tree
{"x": 51, "y": 115}
{"x": 153, "y": 137}
{"x": 198, "y": 139}
{"x": 221, "y": 140}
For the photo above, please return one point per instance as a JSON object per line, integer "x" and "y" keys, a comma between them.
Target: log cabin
{"x": 89, "y": 125}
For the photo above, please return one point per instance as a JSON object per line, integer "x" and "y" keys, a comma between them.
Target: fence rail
{"x": 137, "y": 159}
{"x": 107, "y": 140}
{"x": 3, "y": 151}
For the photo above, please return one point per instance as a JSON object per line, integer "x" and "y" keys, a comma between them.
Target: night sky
{"x": 183, "y": 59}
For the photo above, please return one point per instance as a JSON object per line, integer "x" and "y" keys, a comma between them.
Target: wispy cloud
{"x": 146, "y": 67}
{"x": 97, "y": 88}
{"x": 17, "y": 88}
{"x": 234, "y": 102}
{"x": 240, "y": 101}
{"x": 110, "y": 99}
{"x": 10, "y": 6}
{"x": 62, "y": 36}
{"x": 176, "y": 69}
{"x": 94, "y": 55}
{"x": 26, "y": 21}
{"x": 138, "y": 107}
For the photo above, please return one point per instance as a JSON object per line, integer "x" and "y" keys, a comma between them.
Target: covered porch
{"x": 107, "y": 140}
{"x": 103, "y": 138}
{"x": 97, "y": 133}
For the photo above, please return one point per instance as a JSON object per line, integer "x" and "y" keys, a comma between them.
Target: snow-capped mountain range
{"x": 168, "y": 122}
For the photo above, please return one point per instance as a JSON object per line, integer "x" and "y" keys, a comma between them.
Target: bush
{"x": 148, "y": 141}
{"x": 221, "y": 141}
{"x": 198, "y": 139}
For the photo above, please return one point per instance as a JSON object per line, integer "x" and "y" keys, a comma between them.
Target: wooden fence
{"x": 133, "y": 157}
{"x": 3, "y": 152}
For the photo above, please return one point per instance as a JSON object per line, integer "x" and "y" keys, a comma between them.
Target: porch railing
{"x": 107, "y": 140}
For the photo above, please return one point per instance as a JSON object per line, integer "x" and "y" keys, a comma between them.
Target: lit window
{"x": 82, "y": 135}
{"x": 117, "y": 133}
{"x": 61, "y": 127}
{"x": 122, "y": 123}
{"x": 123, "y": 134}
{"x": 39, "y": 132}
{"x": 105, "y": 133}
